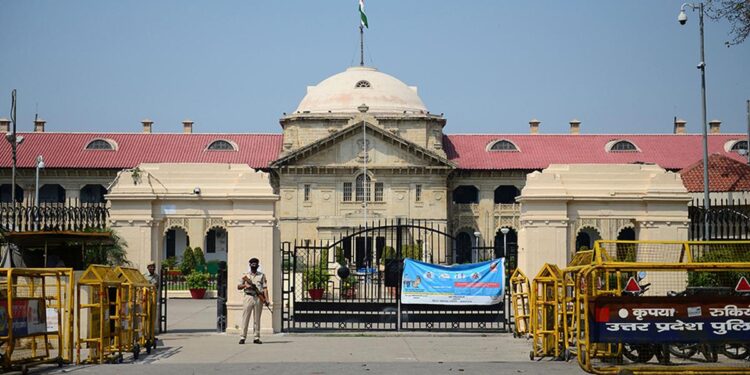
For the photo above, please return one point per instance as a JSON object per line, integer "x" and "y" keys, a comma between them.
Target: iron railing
{"x": 75, "y": 217}
{"x": 728, "y": 219}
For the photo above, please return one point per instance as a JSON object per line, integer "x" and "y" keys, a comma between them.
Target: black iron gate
{"x": 353, "y": 282}
{"x": 727, "y": 220}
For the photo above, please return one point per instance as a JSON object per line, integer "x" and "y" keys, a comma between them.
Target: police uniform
{"x": 251, "y": 305}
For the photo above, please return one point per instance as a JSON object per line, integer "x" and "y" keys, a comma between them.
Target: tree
{"x": 737, "y": 12}
{"x": 112, "y": 254}
{"x": 200, "y": 259}
{"x": 188, "y": 261}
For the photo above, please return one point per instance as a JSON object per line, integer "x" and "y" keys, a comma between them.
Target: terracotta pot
{"x": 316, "y": 293}
{"x": 197, "y": 293}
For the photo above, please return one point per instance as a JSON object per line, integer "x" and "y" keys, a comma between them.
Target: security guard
{"x": 253, "y": 284}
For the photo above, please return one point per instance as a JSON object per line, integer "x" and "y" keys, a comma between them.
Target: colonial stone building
{"x": 361, "y": 147}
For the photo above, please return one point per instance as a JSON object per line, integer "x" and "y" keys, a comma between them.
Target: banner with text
{"x": 465, "y": 284}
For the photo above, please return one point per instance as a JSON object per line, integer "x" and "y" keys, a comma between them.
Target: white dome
{"x": 344, "y": 92}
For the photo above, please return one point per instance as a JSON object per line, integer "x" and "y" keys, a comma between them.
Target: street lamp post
{"x": 504, "y": 231}
{"x": 475, "y": 255}
{"x": 682, "y": 19}
{"x": 39, "y": 165}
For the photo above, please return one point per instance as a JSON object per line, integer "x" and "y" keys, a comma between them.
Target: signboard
{"x": 29, "y": 317}
{"x": 669, "y": 319}
{"x": 465, "y": 284}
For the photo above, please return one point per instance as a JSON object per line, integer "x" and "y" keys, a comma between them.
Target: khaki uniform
{"x": 251, "y": 305}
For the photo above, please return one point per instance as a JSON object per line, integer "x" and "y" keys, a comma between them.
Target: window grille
{"x": 623, "y": 146}
{"x": 362, "y": 84}
{"x": 378, "y": 192}
{"x": 504, "y": 145}
{"x": 418, "y": 193}
{"x": 221, "y": 146}
{"x": 741, "y": 145}
{"x": 363, "y": 188}
{"x": 307, "y": 192}
{"x": 99, "y": 144}
{"x": 347, "y": 191}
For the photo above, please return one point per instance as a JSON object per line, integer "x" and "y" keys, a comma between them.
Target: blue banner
{"x": 465, "y": 284}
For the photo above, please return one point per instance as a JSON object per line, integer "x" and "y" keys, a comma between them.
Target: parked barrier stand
{"x": 649, "y": 307}
{"x": 520, "y": 303}
{"x": 135, "y": 321}
{"x": 546, "y": 291}
{"x": 36, "y": 307}
{"x": 98, "y": 294}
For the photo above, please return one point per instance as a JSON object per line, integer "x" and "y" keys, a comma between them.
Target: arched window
{"x": 221, "y": 145}
{"x": 363, "y": 188}
{"x": 362, "y": 84}
{"x": 506, "y": 194}
{"x": 503, "y": 145}
{"x": 6, "y": 194}
{"x": 466, "y": 194}
{"x": 99, "y": 144}
{"x": 93, "y": 194}
{"x": 51, "y": 193}
{"x": 623, "y": 146}
{"x": 740, "y": 145}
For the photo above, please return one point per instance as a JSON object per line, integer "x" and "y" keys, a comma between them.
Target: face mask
{"x": 254, "y": 267}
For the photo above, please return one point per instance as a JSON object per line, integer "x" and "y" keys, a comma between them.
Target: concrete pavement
{"x": 192, "y": 347}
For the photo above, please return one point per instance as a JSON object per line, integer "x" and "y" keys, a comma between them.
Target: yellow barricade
{"x": 36, "y": 307}
{"x": 649, "y": 307}
{"x": 546, "y": 292}
{"x": 520, "y": 303}
{"x": 99, "y": 302}
{"x": 569, "y": 308}
{"x": 135, "y": 321}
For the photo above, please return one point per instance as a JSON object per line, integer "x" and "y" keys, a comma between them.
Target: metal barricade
{"x": 652, "y": 307}
{"x": 36, "y": 307}
{"x": 571, "y": 310}
{"x": 135, "y": 321}
{"x": 98, "y": 296}
{"x": 546, "y": 291}
{"x": 520, "y": 303}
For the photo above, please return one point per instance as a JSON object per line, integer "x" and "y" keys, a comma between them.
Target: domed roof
{"x": 345, "y": 91}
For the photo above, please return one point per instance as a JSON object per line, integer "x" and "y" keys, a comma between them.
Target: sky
{"x": 490, "y": 66}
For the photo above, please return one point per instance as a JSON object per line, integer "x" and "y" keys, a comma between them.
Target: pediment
{"x": 345, "y": 149}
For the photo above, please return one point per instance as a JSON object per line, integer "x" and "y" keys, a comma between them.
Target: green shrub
{"x": 188, "y": 261}
{"x": 200, "y": 259}
{"x": 170, "y": 263}
{"x": 197, "y": 280}
{"x": 315, "y": 278}
{"x": 718, "y": 254}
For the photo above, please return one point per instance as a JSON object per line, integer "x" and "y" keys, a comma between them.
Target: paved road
{"x": 191, "y": 347}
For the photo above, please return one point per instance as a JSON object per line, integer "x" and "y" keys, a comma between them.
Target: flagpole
{"x": 361, "y": 45}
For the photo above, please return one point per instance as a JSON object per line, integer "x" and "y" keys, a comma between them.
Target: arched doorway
{"x": 93, "y": 194}
{"x": 176, "y": 240}
{"x": 586, "y": 238}
{"x": 465, "y": 194}
{"x": 506, "y": 194}
{"x": 626, "y": 252}
{"x": 52, "y": 193}
{"x": 463, "y": 247}
{"x": 507, "y": 249}
{"x": 6, "y": 193}
{"x": 216, "y": 244}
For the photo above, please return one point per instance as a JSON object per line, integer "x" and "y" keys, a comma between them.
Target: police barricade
{"x": 570, "y": 310}
{"x": 36, "y": 307}
{"x": 546, "y": 292}
{"x": 98, "y": 307}
{"x": 520, "y": 303}
{"x": 135, "y": 321}
{"x": 665, "y": 308}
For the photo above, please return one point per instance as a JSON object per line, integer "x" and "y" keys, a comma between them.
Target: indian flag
{"x": 362, "y": 15}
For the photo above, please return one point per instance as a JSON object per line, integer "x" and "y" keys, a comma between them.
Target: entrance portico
{"x": 149, "y": 201}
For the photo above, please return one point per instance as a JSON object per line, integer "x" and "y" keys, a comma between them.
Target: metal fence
{"x": 728, "y": 219}
{"x": 71, "y": 216}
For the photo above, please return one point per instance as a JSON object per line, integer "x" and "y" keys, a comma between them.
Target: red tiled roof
{"x": 67, "y": 150}
{"x": 537, "y": 151}
{"x": 724, "y": 174}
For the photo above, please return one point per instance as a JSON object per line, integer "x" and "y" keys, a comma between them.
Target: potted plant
{"x": 316, "y": 280}
{"x": 197, "y": 282}
{"x": 349, "y": 287}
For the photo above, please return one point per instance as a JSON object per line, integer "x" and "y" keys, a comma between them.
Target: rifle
{"x": 261, "y": 296}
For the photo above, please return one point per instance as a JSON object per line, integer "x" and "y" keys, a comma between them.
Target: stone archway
{"x": 216, "y": 244}
{"x": 586, "y": 237}
{"x": 176, "y": 239}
